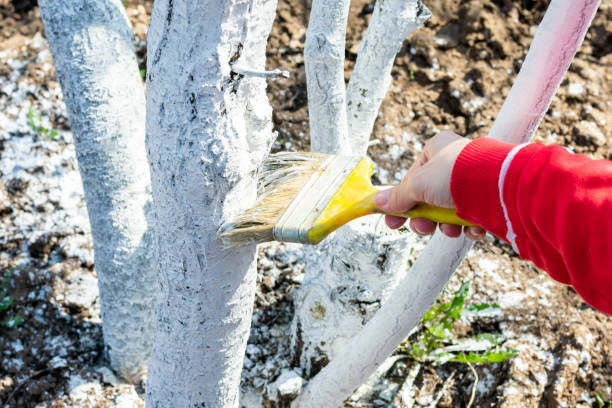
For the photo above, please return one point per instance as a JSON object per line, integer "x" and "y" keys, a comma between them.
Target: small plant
{"x": 6, "y": 301}
{"x": 35, "y": 122}
{"x": 143, "y": 73}
{"x": 437, "y": 345}
{"x": 601, "y": 403}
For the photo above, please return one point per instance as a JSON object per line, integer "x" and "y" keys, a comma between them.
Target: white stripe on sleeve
{"x": 510, "y": 235}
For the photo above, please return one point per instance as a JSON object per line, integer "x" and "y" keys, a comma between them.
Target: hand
{"x": 428, "y": 181}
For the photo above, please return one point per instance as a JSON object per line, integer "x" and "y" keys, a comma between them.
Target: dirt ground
{"x": 452, "y": 74}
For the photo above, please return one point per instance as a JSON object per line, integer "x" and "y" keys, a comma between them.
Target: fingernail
{"x": 382, "y": 197}
{"x": 396, "y": 222}
{"x": 418, "y": 230}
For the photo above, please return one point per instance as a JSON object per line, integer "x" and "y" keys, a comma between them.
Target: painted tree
{"x": 557, "y": 39}
{"x": 95, "y": 62}
{"x": 348, "y": 276}
{"x": 208, "y": 130}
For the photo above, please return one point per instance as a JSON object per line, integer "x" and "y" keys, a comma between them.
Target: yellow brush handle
{"x": 435, "y": 214}
{"x": 355, "y": 198}
{"x": 430, "y": 212}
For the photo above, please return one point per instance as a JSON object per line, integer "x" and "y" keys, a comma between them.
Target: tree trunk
{"x": 91, "y": 44}
{"x": 349, "y": 275}
{"x": 208, "y": 130}
{"x": 557, "y": 40}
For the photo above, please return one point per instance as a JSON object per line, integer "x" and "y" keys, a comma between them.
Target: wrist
{"x": 474, "y": 185}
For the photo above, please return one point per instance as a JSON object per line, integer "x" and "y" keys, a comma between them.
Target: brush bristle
{"x": 283, "y": 175}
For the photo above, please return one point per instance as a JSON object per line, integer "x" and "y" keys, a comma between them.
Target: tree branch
{"x": 276, "y": 73}
{"x": 558, "y": 37}
{"x": 391, "y": 23}
{"x": 324, "y": 63}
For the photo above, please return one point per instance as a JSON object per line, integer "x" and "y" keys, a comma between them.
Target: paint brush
{"x": 303, "y": 197}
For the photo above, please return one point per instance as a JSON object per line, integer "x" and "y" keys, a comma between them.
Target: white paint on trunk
{"x": 349, "y": 275}
{"x": 346, "y": 279}
{"x": 360, "y": 357}
{"x": 91, "y": 43}
{"x": 364, "y": 353}
{"x": 208, "y": 130}
{"x": 391, "y": 22}
{"x": 324, "y": 65}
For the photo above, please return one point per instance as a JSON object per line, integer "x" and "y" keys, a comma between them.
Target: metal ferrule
{"x": 313, "y": 198}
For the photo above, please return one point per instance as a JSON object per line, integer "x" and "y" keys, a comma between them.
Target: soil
{"x": 452, "y": 74}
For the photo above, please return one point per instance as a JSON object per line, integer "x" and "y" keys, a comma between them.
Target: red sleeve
{"x": 553, "y": 207}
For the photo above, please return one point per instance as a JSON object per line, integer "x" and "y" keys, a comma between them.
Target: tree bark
{"x": 208, "y": 130}
{"x": 91, "y": 44}
{"x": 554, "y": 46}
{"x": 349, "y": 275}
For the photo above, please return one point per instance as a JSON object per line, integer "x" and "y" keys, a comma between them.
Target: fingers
{"x": 439, "y": 142}
{"x": 422, "y": 226}
{"x": 394, "y": 222}
{"x": 451, "y": 230}
{"x": 474, "y": 233}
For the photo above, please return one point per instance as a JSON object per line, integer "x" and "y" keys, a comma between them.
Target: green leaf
{"x": 12, "y": 321}
{"x": 51, "y": 135}
{"x": 478, "y": 307}
{"x": 457, "y": 303}
{"x": 30, "y": 116}
{"x": 5, "y": 284}
{"x": 417, "y": 352}
{"x": 5, "y": 303}
{"x": 487, "y": 357}
{"x": 35, "y": 122}
{"x": 143, "y": 73}
{"x": 481, "y": 310}
{"x": 494, "y": 338}
{"x": 436, "y": 343}
{"x": 442, "y": 358}
{"x": 600, "y": 400}
{"x": 431, "y": 314}
{"x": 442, "y": 330}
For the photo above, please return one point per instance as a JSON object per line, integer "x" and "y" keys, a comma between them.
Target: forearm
{"x": 551, "y": 206}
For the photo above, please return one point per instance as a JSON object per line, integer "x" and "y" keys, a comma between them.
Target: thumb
{"x": 396, "y": 199}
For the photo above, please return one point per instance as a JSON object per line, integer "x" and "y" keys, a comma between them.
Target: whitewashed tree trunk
{"x": 208, "y": 129}
{"x": 348, "y": 275}
{"x": 91, "y": 44}
{"x": 554, "y": 46}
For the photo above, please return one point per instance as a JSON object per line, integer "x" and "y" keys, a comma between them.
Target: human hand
{"x": 428, "y": 181}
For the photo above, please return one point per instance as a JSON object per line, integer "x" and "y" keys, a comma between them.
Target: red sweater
{"x": 553, "y": 207}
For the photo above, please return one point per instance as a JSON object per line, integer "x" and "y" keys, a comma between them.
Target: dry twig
{"x": 469, "y": 404}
